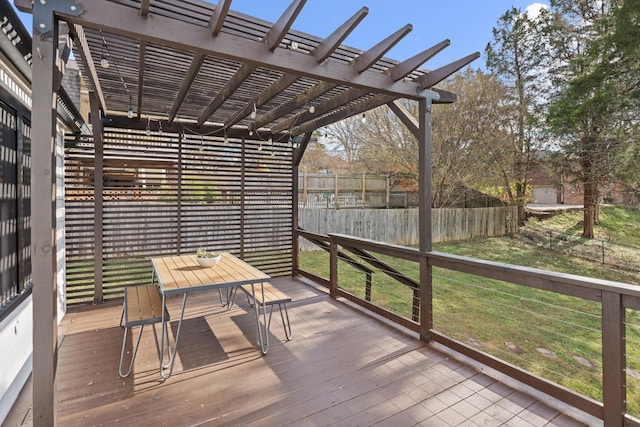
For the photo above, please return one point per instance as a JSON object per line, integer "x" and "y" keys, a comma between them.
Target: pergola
{"x": 176, "y": 64}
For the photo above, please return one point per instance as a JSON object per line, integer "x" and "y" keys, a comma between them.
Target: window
{"x": 15, "y": 218}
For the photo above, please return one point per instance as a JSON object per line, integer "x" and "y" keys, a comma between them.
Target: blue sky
{"x": 467, "y": 23}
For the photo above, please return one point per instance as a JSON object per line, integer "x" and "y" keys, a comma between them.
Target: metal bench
{"x": 142, "y": 306}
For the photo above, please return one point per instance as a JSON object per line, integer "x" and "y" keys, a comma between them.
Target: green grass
{"x": 487, "y": 313}
{"x": 615, "y": 224}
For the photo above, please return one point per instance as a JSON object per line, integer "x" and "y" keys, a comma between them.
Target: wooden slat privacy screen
{"x": 170, "y": 194}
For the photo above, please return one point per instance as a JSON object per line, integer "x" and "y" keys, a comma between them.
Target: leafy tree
{"x": 518, "y": 56}
{"x": 594, "y": 112}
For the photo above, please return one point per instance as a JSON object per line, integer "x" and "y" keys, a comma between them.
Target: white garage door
{"x": 546, "y": 195}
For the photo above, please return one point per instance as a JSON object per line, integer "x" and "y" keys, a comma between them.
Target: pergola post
{"x": 424, "y": 202}
{"x": 43, "y": 220}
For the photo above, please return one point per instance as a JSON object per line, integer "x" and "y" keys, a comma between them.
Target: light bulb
{"x": 148, "y": 130}
{"x": 260, "y": 147}
{"x": 363, "y": 119}
{"x": 312, "y": 109}
{"x": 160, "y": 127}
{"x": 130, "y": 113}
{"x": 104, "y": 62}
{"x": 254, "y": 113}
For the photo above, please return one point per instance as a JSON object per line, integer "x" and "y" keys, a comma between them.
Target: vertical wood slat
{"x": 44, "y": 252}
{"x": 98, "y": 201}
{"x": 333, "y": 267}
{"x": 613, "y": 359}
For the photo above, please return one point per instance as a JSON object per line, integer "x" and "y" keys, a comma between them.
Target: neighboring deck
{"x": 341, "y": 368}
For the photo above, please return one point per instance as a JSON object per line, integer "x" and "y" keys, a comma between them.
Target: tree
{"x": 469, "y": 139}
{"x": 594, "y": 110}
{"x": 466, "y": 136}
{"x": 346, "y": 135}
{"x": 517, "y": 55}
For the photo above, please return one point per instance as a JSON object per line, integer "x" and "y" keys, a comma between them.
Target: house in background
{"x": 547, "y": 187}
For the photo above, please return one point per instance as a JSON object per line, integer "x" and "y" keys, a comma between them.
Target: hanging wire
{"x": 104, "y": 57}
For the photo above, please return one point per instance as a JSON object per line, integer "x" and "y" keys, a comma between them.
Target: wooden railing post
{"x": 613, "y": 359}
{"x": 333, "y": 266}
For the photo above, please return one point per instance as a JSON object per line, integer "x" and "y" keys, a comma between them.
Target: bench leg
{"x": 287, "y": 325}
{"x": 124, "y": 348}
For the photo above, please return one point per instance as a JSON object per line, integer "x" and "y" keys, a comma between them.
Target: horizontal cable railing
{"x": 572, "y": 337}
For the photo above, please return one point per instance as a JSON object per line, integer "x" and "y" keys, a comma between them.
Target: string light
{"x": 148, "y": 129}
{"x": 159, "y": 127}
{"x": 254, "y": 113}
{"x": 363, "y": 119}
{"x": 312, "y": 109}
{"x": 104, "y": 61}
{"x": 130, "y": 111}
{"x": 226, "y": 137}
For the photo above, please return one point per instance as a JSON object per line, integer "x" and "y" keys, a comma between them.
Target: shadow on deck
{"x": 341, "y": 368}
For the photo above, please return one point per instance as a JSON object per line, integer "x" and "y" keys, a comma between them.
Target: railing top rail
{"x": 569, "y": 284}
{"x": 403, "y": 252}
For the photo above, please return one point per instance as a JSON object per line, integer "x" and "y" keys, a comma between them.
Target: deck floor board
{"x": 342, "y": 368}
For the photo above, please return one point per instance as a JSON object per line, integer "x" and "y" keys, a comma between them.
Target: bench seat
{"x": 142, "y": 306}
{"x": 272, "y": 296}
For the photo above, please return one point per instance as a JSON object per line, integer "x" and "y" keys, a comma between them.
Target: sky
{"x": 467, "y": 23}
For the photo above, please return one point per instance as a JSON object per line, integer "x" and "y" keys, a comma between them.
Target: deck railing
{"x": 575, "y": 338}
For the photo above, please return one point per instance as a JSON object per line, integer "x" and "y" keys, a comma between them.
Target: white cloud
{"x": 533, "y": 10}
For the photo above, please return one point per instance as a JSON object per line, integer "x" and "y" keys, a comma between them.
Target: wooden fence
{"x": 400, "y": 226}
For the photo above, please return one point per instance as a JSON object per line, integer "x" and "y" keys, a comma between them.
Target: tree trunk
{"x": 590, "y": 206}
{"x": 521, "y": 190}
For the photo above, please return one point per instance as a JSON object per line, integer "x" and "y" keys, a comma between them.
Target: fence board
{"x": 400, "y": 226}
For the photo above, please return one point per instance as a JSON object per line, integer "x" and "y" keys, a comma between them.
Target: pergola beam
{"x": 342, "y": 114}
{"x": 124, "y": 21}
{"x": 405, "y": 68}
{"x": 215, "y": 24}
{"x": 329, "y": 105}
{"x": 371, "y": 56}
{"x": 445, "y": 97}
{"x": 144, "y": 8}
{"x": 272, "y": 39}
{"x": 331, "y": 43}
{"x": 436, "y": 76}
{"x": 361, "y": 63}
{"x": 283, "y": 25}
{"x": 405, "y": 117}
{"x": 192, "y": 73}
{"x": 218, "y": 17}
{"x": 321, "y": 52}
{"x": 85, "y": 56}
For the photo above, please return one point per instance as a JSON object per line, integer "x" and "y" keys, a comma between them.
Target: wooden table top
{"x": 181, "y": 274}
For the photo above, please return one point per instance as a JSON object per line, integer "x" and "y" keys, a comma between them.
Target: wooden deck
{"x": 342, "y": 368}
